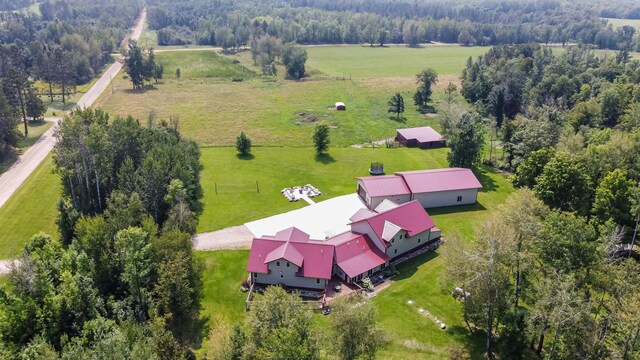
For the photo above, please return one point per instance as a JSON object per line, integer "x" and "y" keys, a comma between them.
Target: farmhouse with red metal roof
{"x": 292, "y": 259}
{"x": 432, "y": 188}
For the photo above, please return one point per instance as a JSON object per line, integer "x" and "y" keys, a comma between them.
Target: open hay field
{"x": 618, "y": 23}
{"x": 213, "y": 109}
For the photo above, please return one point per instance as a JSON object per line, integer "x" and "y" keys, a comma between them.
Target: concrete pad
{"x": 320, "y": 220}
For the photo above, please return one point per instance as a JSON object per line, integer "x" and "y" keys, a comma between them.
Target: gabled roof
{"x": 435, "y": 180}
{"x": 410, "y": 217}
{"x": 355, "y": 253}
{"x": 422, "y": 134}
{"x": 385, "y": 205}
{"x": 389, "y": 230}
{"x": 385, "y": 185}
{"x": 361, "y": 215}
{"x": 314, "y": 258}
{"x": 285, "y": 251}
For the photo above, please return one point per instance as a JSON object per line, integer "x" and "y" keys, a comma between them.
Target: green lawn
{"x": 618, "y": 23}
{"x": 36, "y": 129}
{"x": 30, "y": 209}
{"x": 390, "y": 61}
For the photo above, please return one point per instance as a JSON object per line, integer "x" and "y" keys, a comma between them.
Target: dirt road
{"x": 13, "y": 178}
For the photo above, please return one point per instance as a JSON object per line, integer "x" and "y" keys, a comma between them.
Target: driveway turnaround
{"x": 320, "y": 220}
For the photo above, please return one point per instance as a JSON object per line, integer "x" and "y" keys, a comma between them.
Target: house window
{"x": 255, "y": 275}
{"x": 395, "y": 251}
{"x": 288, "y": 265}
{"x": 459, "y": 198}
{"x": 419, "y": 240}
{"x": 317, "y": 280}
{"x": 277, "y": 263}
{"x": 281, "y": 276}
{"x": 369, "y": 272}
{"x": 393, "y": 240}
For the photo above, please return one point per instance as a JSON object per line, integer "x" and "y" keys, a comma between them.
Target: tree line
{"x": 554, "y": 270}
{"x": 232, "y": 24}
{"x": 45, "y": 55}
{"x": 120, "y": 281}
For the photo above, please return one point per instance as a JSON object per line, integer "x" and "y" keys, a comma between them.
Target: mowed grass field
{"x": 618, "y": 23}
{"x": 213, "y": 109}
{"x": 391, "y": 60}
{"x": 30, "y": 210}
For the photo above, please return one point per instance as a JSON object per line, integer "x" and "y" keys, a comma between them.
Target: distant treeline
{"x": 66, "y": 44}
{"x": 232, "y": 24}
{"x": 8, "y": 5}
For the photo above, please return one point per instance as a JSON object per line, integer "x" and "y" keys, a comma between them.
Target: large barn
{"x": 422, "y": 137}
{"x": 432, "y": 188}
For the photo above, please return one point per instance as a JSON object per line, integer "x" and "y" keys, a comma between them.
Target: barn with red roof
{"x": 422, "y": 137}
{"x": 432, "y": 188}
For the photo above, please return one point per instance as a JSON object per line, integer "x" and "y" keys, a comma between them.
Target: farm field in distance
{"x": 278, "y": 112}
{"x": 618, "y": 23}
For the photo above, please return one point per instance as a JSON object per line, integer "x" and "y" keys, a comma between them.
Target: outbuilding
{"x": 422, "y": 137}
{"x": 432, "y": 188}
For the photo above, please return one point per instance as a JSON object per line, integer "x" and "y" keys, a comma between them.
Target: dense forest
{"x": 556, "y": 258}
{"x": 234, "y": 23}
{"x": 121, "y": 280}
{"x": 46, "y": 54}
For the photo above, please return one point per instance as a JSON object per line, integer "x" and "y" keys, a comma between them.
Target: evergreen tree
{"x": 321, "y": 138}
{"x": 396, "y": 105}
{"x": 243, "y": 144}
{"x": 425, "y": 80}
{"x": 466, "y": 141}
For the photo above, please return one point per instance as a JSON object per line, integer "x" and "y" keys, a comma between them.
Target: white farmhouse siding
{"x": 447, "y": 198}
{"x": 398, "y": 199}
{"x": 286, "y": 275}
{"x": 401, "y": 244}
{"x": 363, "y": 227}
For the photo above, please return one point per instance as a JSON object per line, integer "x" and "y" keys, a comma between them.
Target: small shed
{"x": 341, "y": 106}
{"x": 421, "y": 137}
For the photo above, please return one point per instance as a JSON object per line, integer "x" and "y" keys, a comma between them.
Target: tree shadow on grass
{"x": 456, "y": 209}
{"x": 248, "y": 156}
{"x": 482, "y": 173}
{"x": 425, "y": 110}
{"x": 325, "y": 158}
{"x": 473, "y": 342}
{"x": 400, "y": 119}
{"x": 143, "y": 90}
{"x": 410, "y": 267}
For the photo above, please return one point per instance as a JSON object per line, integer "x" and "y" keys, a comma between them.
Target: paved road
{"x": 11, "y": 180}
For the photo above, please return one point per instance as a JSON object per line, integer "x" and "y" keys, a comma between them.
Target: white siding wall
{"x": 404, "y": 244}
{"x": 398, "y": 199}
{"x": 364, "y": 228}
{"x": 447, "y": 198}
{"x": 289, "y": 277}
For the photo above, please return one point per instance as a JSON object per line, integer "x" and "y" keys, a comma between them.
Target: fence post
{"x": 257, "y": 187}
{"x": 216, "y": 184}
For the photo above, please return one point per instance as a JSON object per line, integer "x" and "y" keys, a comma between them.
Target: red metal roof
{"x": 385, "y": 185}
{"x": 285, "y": 251}
{"x": 315, "y": 257}
{"x": 435, "y": 180}
{"x": 422, "y": 134}
{"x": 356, "y": 253}
{"x": 410, "y": 217}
